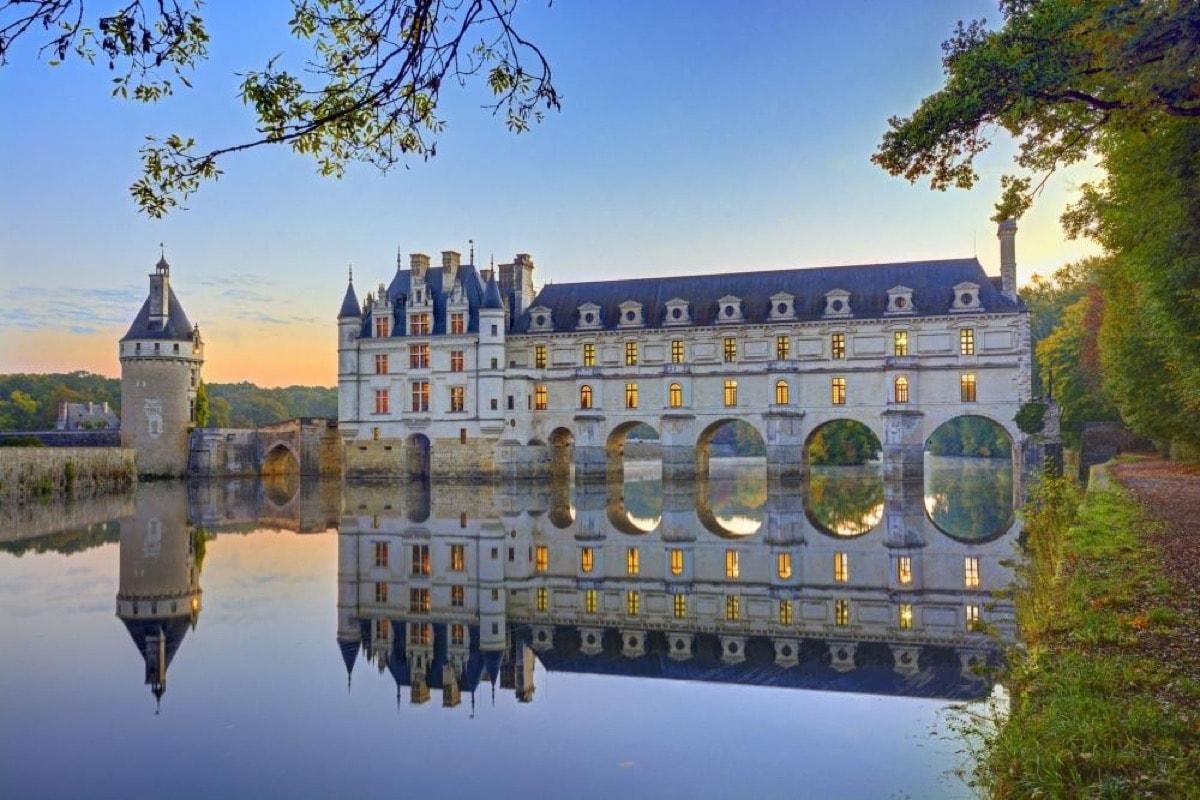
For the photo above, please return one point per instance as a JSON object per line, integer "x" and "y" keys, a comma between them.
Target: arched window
{"x": 585, "y": 396}
{"x": 901, "y": 389}
{"x": 675, "y": 395}
{"x": 782, "y": 393}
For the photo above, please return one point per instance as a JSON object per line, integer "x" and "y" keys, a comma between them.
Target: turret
{"x": 491, "y": 353}
{"x": 349, "y": 328}
{"x": 1006, "y": 232}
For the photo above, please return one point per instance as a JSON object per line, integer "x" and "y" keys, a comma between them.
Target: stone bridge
{"x": 300, "y": 446}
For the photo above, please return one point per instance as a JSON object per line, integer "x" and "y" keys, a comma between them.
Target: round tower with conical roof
{"x": 161, "y": 356}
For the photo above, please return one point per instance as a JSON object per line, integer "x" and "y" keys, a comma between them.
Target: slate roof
{"x": 401, "y": 286}
{"x": 350, "y": 306}
{"x": 932, "y": 283}
{"x": 177, "y": 328}
{"x": 491, "y": 297}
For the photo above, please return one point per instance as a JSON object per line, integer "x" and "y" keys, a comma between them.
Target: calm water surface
{"x": 641, "y": 640}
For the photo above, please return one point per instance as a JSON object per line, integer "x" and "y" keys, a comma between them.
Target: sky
{"x": 695, "y": 137}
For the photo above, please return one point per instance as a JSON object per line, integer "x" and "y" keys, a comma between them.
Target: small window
{"x": 676, "y": 561}
{"x": 543, "y": 598}
{"x": 457, "y": 361}
{"x": 458, "y": 322}
{"x": 420, "y": 396}
{"x": 418, "y": 356}
{"x": 420, "y": 559}
{"x": 511, "y": 402}
{"x": 419, "y": 324}
{"x": 540, "y": 397}
{"x": 585, "y": 396}
{"x": 458, "y": 633}
{"x": 494, "y": 330}
{"x": 382, "y": 327}
{"x": 900, "y": 343}
{"x": 589, "y": 601}
{"x": 458, "y": 557}
{"x": 587, "y": 559}
{"x": 905, "y": 617}
{"x": 838, "y": 390}
{"x": 539, "y": 356}
{"x": 730, "y": 393}
{"x": 966, "y": 342}
{"x": 541, "y": 562}
{"x": 783, "y": 348}
{"x": 677, "y": 352}
{"x": 631, "y": 395}
{"x": 974, "y": 619}
{"x": 458, "y": 596}
{"x": 589, "y": 355}
{"x": 730, "y": 349}
{"x": 462, "y": 435}
{"x": 782, "y": 393}
{"x": 458, "y": 398}
{"x": 675, "y": 396}
{"x": 904, "y": 574}
{"x": 837, "y": 345}
{"x": 901, "y": 388}
{"x": 785, "y": 612}
{"x": 633, "y": 561}
{"x": 783, "y": 565}
{"x": 966, "y": 386}
{"x": 841, "y": 612}
{"x": 971, "y": 572}
{"x": 633, "y": 602}
{"x": 631, "y": 354}
{"x": 381, "y": 364}
{"x": 680, "y": 606}
{"x": 733, "y": 607}
{"x": 732, "y": 564}
{"x": 381, "y": 554}
{"x": 419, "y": 602}
{"x": 382, "y": 401}
{"x": 841, "y": 567}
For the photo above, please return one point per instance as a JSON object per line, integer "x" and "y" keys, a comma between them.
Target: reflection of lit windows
{"x": 677, "y": 351}
{"x": 418, "y": 601}
{"x": 733, "y": 607}
{"x": 458, "y": 557}
{"x": 458, "y": 633}
{"x": 680, "y": 606}
{"x": 631, "y": 354}
{"x": 587, "y": 559}
{"x": 633, "y": 561}
{"x": 966, "y": 387}
{"x": 382, "y": 629}
{"x": 971, "y": 572}
{"x": 420, "y": 559}
{"x": 782, "y": 393}
{"x": 901, "y": 389}
{"x": 841, "y": 612}
{"x": 381, "y": 592}
{"x": 841, "y": 567}
{"x": 675, "y": 396}
{"x": 539, "y": 356}
{"x": 730, "y": 349}
{"x": 837, "y": 345}
{"x": 966, "y": 342}
{"x": 543, "y": 598}
{"x": 838, "y": 391}
{"x": 458, "y": 596}
{"x": 783, "y": 348}
{"x": 541, "y": 397}
{"x": 676, "y": 561}
{"x": 631, "y": 395}
{"x": 585, "y": 396}
{"x": 904, "y": 570}
{"x": 381, "y": 553}
{"x": 905, "y": 616}
{"x": 900, "y": 343}
{"x": 589, "y": 355}
{"x": 541, "y": 561}
{"x": 783, "y": 565}
{"x": 420, "y": 633}
{"x": 732, "y": 568}
{"x": 974, "y": 621}
{"x": 589, "y": 601}
{"x": 633, "y": 602}
{"x": 785, "y": 612}
{"x": 730, "y": 393}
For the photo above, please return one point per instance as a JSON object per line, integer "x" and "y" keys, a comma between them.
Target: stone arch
{"x": 846, "y": 446}
{"x": 418, "y": 455}
{"x": 704, "y": 442}
{"x": 280, "y": 459}
{"x": 562, "y": 452}
{"x": 615, "y": 447}
{"x": 725, "y": 526}
{"x": 845, "y": 502}
{"x": 970, "y": 480}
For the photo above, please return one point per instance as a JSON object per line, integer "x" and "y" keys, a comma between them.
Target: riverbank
{"x": 1106, "y": 694}
{"x": 29, "y": 474}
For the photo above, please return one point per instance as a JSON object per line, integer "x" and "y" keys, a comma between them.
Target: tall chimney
{"x": 419, "y": 264}
{"x": 1006, "y": 232}
{"x": 450, "y": 262}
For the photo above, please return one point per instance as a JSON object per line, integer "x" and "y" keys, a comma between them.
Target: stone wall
{"x": 30, "y": 473}
{"x": 108, "y": 438}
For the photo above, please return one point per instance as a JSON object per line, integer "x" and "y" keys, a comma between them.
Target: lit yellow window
{"x": 419, "y": 601}
{"x": 785, "y": 612}
{"x": 841, "y": 567}
{"x": 631, "y": 395}
{"x": 783, "y": 565}
{"x": 633, "y": 602}
{"x": 633, "y": 561}
{"x": 732, "y": 567}
{"x": 730, "y": 349}
{"x": 966, "y": 386}
{"x": 589, "y": 601}
{"x": 904, "y": 570}
{"x": 381, "y": 364}
{"x": 419, "y": 324}
{"x": 677, "y": 356}
{"x": 676, "y": 561}
{"x": 900, "y": 343}
{"x": 974, "y": 620}
{"x": 733, "y": 607}
{"x": 782, "y": 393}
{"x": 420, "y": 559}
{"x": 680, "y": 606}
{"x": 838, "y": 391}
{"x": 418, "y": 356}
{"x": 675, "y": 395}
{"x": 541, "y": 559}
{"x": 901, "y": 389}
{"x": 383, "y": 629}
{"x": 420, "y": 634}
{"x": 587, "y": 559}
{"x": 541, "y": 397}
{"x": 458, "y": 557}
{"x": 458, "y": 322}
{"x": 539, "y": 356}
{"x": 589, "y": 355}
{"x": 543, "y": 598}
{"x": 381, "y": 592}
{"x": 458, "y": 596}
{"x": 905, "y": 616}
{"x": 837, "y": 345}
{"x": 458, "y": 633}
{"x": 585, "y": 396}
{"x": 971, "y": 572}
{"x": 966, "y": 342}
{"x": 458, "y": 398}
{"x": 382, "y": 327}
{"x": 457, "y": 361}
{"x": 730, "y": 393}
{"x": 841, "y": 612}
{"x": 631, "y": 354}
{"x": 783, "y": 348}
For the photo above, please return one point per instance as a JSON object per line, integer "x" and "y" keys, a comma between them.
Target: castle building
{"x": 161, "y": 356}
{"x": 455, "y": 371}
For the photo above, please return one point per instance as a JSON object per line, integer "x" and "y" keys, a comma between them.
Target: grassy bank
{"x": 1099, "y": 707}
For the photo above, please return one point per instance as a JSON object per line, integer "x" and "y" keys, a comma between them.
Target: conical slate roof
{"x": 491, "y": 296}
{"x": 350, "y": 307}
{"x": 177, "y": 328}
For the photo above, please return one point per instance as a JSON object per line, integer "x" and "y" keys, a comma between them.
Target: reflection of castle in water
{"x": 449, "y": 587}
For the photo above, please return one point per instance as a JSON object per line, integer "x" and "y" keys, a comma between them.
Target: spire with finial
{"x": 162, "y": 266}
{"x": 471, "y": 242}
{"x": 350, "y": 307}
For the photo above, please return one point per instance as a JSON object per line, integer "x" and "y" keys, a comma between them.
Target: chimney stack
{"x": 450, "y": 262}
{"x": 419, "y": 264}
{"x": 1006, "y": 232}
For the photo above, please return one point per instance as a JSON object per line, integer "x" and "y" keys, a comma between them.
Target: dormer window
{"x": 541, "y": 319}
{"x": 729, "y": 309}
{"x": 900, "y": 300}
{"x": 837, "y": 303}
{"x": 631, "y": 314}
{"x": 677, "y": 312}
{"x": 966, "y": 297}
{"x": 783, "y": 306}
{"x": 589, "y": 316}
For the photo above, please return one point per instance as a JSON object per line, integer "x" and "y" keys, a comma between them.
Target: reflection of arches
{"x": 722, "y": 509}
{"x": 728, "y": 437}
{"x": 280, "y": 460}
{"x": 841, "y": 442}
{"x": 280, "y": 488}
{"x": 616, "y": 447}
{"x": 636, "y": 507}
{"x": 970, "y": 490}
{"x": 417, "y": 500}
{"x": 844, "y": 502}
{"x": 562, "y": 444}
{"x": 972, "y": 436}
{"x": 417, "y": 453}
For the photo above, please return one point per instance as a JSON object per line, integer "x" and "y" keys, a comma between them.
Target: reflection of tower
{"x": 158, "y": 597}
{"x": 516, "y": 674}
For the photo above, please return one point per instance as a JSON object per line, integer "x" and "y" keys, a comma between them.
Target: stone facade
{"x": 29, "y": 473}
{"x": 456, "y": 373}
{"x": 307, "y": 446}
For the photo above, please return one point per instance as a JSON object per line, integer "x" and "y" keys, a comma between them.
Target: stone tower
{"x": 161, "y": 356}
{"x": 349, "y": 327}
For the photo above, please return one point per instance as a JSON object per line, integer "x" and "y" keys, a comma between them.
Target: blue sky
{"x": 694, "y": 137}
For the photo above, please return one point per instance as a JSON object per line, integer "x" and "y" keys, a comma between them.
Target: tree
{"x": 370, "y": 92}
{"x": 1069, "y": 362}
{"x": 1048, "y": 298}
{"x": 218, "y": 412}
{"x": 202, "y": 406}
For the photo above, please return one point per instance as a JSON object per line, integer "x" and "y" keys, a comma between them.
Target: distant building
{"x": 86, "y": 416}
